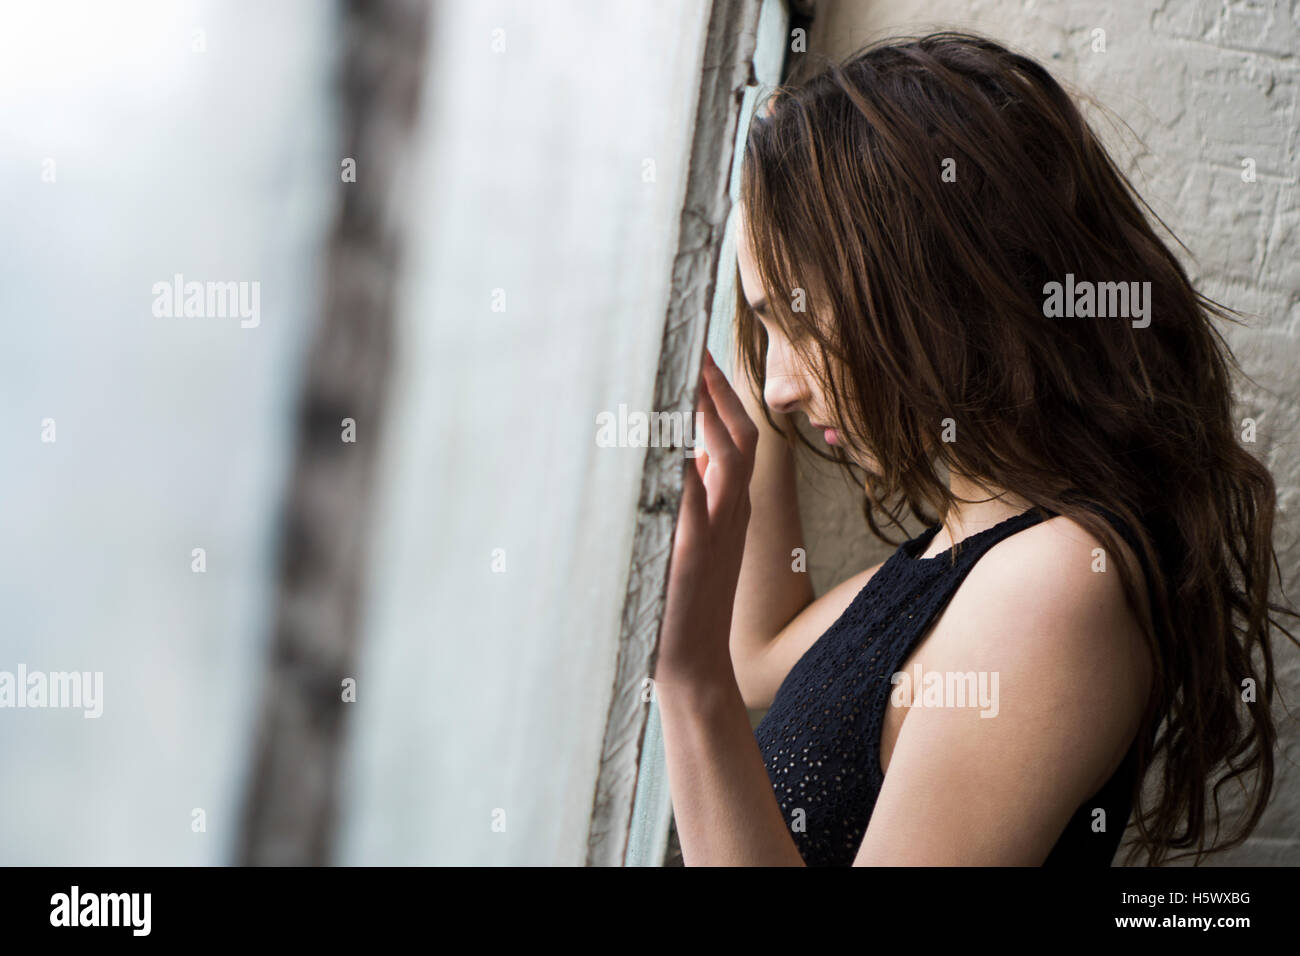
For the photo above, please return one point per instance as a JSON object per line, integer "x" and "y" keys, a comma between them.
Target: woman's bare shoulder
{"x": 1058, "y": 565}
{"x": 1047, "y": 605}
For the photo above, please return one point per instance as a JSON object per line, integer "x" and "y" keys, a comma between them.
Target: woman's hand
{"x": 723, "y": 803}
{"x": 710, "y": 539}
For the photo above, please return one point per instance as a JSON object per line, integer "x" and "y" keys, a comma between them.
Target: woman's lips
{"x": 828, "y": 433}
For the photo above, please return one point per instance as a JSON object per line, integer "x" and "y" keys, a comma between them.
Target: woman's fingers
{"x": 702, "y": 462}
{"x": 717, "y": 440}
{"x": 695, "y": 505}
{"x": 715, "y": 488}
{"x": 740, "y": 427}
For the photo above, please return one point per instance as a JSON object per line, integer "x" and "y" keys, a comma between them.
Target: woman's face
{"x": 791, "y": 386}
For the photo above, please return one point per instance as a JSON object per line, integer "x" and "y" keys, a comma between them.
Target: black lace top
{"x": 821, "y": 738}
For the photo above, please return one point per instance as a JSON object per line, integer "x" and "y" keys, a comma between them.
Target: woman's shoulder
{"x": 1061, "y": 567}
{"x": 1046, "y": 609}
{"x": 1060, "y": 577}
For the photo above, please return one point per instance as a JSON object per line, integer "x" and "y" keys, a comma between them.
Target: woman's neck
{"x": 979, "y": 506}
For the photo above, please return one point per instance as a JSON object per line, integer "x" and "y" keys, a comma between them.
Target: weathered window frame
{"x": 744, "y": 50}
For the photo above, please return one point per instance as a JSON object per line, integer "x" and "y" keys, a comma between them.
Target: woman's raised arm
{"x": 770, "y": 592}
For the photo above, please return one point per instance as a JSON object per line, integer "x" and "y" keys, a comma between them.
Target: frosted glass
{"x": 483, "y": 693}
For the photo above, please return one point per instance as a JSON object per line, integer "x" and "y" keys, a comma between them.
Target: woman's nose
{"x": 783, "y": 389}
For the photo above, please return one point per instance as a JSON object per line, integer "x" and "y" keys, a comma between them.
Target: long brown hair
{"x": 907, "y": 209}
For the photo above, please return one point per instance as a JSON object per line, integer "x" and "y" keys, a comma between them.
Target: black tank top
{"x": 820, "y": 739}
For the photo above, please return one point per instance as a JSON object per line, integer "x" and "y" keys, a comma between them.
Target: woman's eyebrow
{"x": 760, "y": 306}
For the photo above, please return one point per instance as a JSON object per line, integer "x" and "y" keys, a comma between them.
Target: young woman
{"x": 1089, "y": 609}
